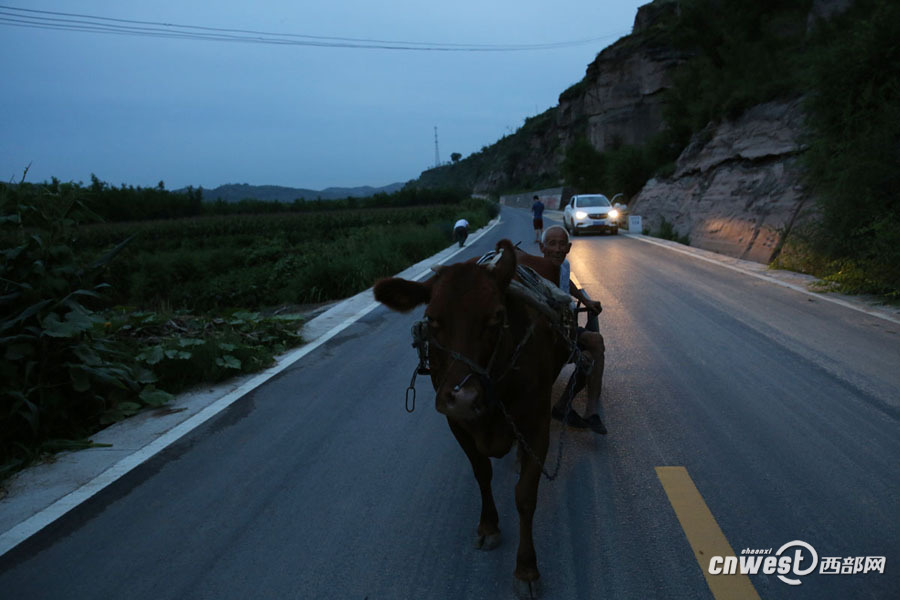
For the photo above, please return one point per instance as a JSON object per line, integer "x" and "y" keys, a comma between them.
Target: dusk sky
{"x": 137, "y": 110}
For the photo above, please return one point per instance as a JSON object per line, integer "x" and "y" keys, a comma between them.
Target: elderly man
{"x": 555, "y": 245}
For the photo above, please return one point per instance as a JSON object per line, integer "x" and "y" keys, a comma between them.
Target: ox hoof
{"x": 487, "y": 542}
{"x": 527, "y": 590}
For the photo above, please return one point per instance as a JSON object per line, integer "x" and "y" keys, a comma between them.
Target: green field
{"x": 102, "y": 319}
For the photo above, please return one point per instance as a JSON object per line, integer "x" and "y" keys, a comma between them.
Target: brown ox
{"x": 494, "y": 359}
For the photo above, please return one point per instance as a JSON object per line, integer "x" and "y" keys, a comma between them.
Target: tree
{"x": 455, "y": 157}
{"x": 583, "y": 167}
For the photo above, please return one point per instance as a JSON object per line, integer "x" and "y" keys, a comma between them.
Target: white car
{"x": 590, "y": 212}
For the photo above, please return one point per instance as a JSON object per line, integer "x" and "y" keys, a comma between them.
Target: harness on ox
{"x": 552, "y": 303}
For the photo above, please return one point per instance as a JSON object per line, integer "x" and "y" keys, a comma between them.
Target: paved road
{"x": 782, "y": 408}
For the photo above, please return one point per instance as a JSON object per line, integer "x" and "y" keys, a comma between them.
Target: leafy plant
{"x": 61, "y": 371}
{"x": 185, "y": 349}
{"x": 667, "y": 231}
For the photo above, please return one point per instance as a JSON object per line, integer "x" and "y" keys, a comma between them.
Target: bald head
{"x": 556, "y": 230}
{"x": 555, "y": 244}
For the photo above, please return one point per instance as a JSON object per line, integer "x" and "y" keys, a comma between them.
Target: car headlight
{"x": 580, "y": 214}
{"x": 613, "y": 214}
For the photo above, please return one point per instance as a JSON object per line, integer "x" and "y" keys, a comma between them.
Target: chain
{"x": 570, "y": 388}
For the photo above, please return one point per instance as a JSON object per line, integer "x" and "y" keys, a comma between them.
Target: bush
{"x": 61, "y": 370}
{"x": 584, "y": 168}
{"x": 854, "y": 153}
{"x": 667, "y": 231}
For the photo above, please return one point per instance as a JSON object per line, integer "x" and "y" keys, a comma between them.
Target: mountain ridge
{"x": 235, "y": 192}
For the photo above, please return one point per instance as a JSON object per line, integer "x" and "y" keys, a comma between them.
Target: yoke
{"x": 542, "y": 295}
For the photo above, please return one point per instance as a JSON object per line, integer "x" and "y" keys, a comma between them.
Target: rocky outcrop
{"x": 620, "y": 99}
{"x": 736, "y": 186}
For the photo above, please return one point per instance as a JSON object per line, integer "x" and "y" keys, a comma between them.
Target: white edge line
{"x": 30, "y": 526}
{"x": 796, "y": 288}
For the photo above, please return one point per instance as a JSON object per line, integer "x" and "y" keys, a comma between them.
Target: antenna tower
{"x": 437, "y": 156}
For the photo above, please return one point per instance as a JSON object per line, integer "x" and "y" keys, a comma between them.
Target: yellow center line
{"x": 703, "y": 534}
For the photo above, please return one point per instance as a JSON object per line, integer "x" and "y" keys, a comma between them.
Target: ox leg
{"x": 487, "y": 536}
{"x": 526, "y": 574}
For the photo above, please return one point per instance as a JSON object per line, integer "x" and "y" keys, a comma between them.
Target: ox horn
{"x": 437, "y": 268}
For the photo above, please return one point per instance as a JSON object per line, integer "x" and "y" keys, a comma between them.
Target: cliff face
{"x": 620, "y": 99}
{"x": 736, "y": 186}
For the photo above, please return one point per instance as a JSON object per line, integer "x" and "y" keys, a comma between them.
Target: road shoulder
{"x": 807, "y": 284}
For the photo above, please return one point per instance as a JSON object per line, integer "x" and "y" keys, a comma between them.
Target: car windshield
{"x": 586, "y": 201}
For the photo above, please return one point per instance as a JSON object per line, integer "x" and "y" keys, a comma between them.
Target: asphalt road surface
{"x": 781, "y": 407}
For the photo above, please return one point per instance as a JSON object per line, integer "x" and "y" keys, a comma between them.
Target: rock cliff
{"x": 620, "y": 99}
{"x": 736, "y": 186}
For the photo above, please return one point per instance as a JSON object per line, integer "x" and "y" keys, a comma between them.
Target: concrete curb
{"x": 798, "y": 282}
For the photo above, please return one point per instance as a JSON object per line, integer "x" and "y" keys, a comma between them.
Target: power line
{"x": 62, "y": 21}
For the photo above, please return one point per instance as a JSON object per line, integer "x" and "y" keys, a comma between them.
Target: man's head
{"x": 555, "y": 244}
{"x": 535, "y": 198}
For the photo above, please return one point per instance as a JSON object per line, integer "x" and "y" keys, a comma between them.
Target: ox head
{"x": 466, "y": 318}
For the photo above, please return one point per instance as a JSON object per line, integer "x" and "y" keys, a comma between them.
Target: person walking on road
{"x": 461, "y": 232}
{"x": 538, "y": 210}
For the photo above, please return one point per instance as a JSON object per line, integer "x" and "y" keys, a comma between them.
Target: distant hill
{"x": 235, "y": 192}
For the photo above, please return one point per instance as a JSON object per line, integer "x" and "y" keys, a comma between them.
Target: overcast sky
{"x": 137, "y": 110}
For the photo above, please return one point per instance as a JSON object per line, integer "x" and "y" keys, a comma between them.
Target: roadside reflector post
{"x": 634, "y": 224}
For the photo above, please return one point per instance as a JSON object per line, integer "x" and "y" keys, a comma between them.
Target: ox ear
{"x": 505, "y": 268}
{"x": 402, "y": 295}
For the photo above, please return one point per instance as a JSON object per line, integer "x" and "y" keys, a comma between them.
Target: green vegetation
{"x": 61, "y": 369}
{"x": 128, "y": 203}
{"x": 744, "y": 53}
{"x": 574, "y": 91}
{"x": 208, "y": 263}
{"x": 100, "y": 320}
{"x": 667, "y": 231}
{"x": 623, "y": 168}
{"x": 854, "y": 152}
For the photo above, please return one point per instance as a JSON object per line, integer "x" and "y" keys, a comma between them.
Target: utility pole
{"x": 437, "y": 156}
